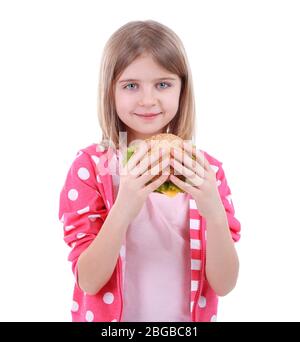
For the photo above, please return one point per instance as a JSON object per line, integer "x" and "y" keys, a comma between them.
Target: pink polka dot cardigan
{"x": 85, "y": 200}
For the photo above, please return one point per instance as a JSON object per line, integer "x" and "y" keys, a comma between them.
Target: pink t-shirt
{"x": 157, "y": 274}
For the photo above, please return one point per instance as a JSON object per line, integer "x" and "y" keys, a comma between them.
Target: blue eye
{"x": 168, "y": 84}
{"x": 129, "y": 84}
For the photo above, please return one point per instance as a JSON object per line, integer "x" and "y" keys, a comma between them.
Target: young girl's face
{"x": 146, "y": 87}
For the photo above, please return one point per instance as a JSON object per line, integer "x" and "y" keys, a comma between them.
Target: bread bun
{"x": 167, "y": 142}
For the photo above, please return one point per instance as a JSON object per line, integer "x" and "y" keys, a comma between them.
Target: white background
{"x": 244, "y": 57}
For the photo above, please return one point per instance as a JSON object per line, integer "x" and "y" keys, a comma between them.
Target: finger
{"x": 142, "y": 149}
{"x": 200, "y": 158}
{"x": 180, "y": 169}
{"x": 149, "y": 161}
{"x": 155, "y": 184}
{"x": 162, "y": 168}
{"x": 190, "y": 176}
{"x": 183, "y": 185}
{"x": 191, "y": 164}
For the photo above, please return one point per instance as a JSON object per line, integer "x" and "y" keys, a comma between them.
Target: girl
{"x": 138, "y": 255}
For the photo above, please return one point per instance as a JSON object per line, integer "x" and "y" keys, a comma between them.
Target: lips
{"x": 147, "y": 114}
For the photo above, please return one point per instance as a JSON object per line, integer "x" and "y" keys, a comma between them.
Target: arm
{"x": 97, "y": 263}
{"x": 222, "y": 264}
{"x": 212, "y": 202}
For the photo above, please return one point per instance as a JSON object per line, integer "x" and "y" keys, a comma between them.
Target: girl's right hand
{"x": 132, "y": 191}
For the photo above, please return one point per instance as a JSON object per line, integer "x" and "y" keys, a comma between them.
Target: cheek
{"x": 171, "y": 103}
{"x": 123, "y": 103}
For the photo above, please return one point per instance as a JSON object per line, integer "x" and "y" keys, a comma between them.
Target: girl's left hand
{"x": 200, "y": 182}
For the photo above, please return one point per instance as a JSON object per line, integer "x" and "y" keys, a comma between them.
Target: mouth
{"x": 148, "y": 116}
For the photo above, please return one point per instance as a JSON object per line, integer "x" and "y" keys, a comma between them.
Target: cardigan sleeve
{"x": 225, "y": 194}
{"x": 81, "y": 207}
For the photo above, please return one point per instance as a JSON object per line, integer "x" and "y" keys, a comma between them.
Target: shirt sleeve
{"x": 225, "y": 194}
{"x": 81, "y": 207}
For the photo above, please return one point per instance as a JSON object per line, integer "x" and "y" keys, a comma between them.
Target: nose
{"x": 147, "y": 98}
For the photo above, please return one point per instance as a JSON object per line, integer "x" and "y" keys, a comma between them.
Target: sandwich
{"x": 166, "y": 141}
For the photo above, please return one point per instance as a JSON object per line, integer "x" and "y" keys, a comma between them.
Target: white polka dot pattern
{"x": 80, "y": 235}
{"x": 68, "y": 228}
{"x": 83, "y": 173}
{"x": 195, "y": 244}
{"x": 83, "y": 211}
{"x": 101, "y": 148}
{"x": 95, "y": 159}
{"x": 94, "y": 217}
{"x": 79, "y": 154}
{"x": 73, "y": 194}
{"x": 194, "y": 224}
{"x": 202, "y": 302}
{"x": 213, "y": 318}
{"x": 194, "y": 285}
{"x": 75, "y": 306}
{"x": 108, "y": 298}
{"x": 89, "y": 316}
{"x": 195, "y": 264}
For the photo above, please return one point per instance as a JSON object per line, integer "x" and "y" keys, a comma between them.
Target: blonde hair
{"x": 128, "y": 43}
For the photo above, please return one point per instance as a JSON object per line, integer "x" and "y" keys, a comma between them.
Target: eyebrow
{"x": 157, "y": 79}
